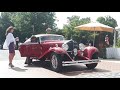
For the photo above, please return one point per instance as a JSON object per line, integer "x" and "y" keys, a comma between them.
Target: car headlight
{"x": 65, "y": 46}
{"x": 81, "y": 46}
{"x": 75, "y": 51}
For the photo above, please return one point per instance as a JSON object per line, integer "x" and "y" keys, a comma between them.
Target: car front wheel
{"x": 56, "y": 62}
{"x": 93, "y": 65}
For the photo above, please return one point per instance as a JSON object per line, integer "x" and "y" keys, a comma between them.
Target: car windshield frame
{"x": 52, "y": 38}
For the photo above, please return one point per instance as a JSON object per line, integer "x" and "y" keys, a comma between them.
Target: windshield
{"x": 44, "y": 38}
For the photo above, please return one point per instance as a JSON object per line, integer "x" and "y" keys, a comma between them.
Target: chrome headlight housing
{"x": 65, "y": 46}
{"x": 81, "y": 46}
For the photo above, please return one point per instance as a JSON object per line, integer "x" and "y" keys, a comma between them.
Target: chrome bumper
{"x": 68, "y": 63}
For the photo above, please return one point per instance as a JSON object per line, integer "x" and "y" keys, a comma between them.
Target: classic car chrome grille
{"x": 72, "y": 44}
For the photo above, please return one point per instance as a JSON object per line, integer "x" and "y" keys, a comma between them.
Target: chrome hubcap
{"x": 54, "y": 61}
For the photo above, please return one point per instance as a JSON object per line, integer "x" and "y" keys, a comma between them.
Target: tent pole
{"x": 94, "y": 39}
{"x": 114, "y": 40}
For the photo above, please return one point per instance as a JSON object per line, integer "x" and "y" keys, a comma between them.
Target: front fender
{"x": 89, "y": 51}
{"x": 57, "y": 50}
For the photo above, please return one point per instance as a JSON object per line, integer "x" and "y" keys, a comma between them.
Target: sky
{"x": 62, "y": 16}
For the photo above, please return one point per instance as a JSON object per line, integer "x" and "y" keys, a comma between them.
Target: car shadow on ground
{"x": 68, "y": 70}
{"x": 76, "y": 70}
{"x": 38, "y": 64}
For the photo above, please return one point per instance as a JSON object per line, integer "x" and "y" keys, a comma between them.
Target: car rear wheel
{"x": 93, "y": 65}
{"x": 28, "y": 61}
{"x": 56, "y": 62}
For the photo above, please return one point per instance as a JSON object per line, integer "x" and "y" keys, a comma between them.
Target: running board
{"x": 78, "y": 62}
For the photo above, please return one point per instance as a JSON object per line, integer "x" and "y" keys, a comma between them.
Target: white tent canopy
{"x": 95, "y": 26}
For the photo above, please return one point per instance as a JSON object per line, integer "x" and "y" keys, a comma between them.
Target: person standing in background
{"x": 48, "y": 30}
{"x": 10, "y": 44}
{"x": 107, "y": 40}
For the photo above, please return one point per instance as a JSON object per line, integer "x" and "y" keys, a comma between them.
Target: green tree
{"x": 108, "y": 20}
{"x": 4, "y": 24}
{"x": 118, "y": 42}
{"x": 69, "y": 30}
{"x": 28, "y": 23}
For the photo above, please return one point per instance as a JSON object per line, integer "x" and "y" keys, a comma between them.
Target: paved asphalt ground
{"x": 107, "y": 68}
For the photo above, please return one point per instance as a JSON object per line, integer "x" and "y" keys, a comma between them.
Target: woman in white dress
{"x": 10, "y": 44}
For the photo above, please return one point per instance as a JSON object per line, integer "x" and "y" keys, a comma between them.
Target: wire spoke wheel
{"x": 56, "y": 62}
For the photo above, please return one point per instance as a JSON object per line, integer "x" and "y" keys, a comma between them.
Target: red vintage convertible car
{"x": 58, "y": 51}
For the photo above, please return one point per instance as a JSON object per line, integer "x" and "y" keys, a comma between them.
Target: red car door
{"x": 24, "y": 50}
{"x": 35, "y": 50}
